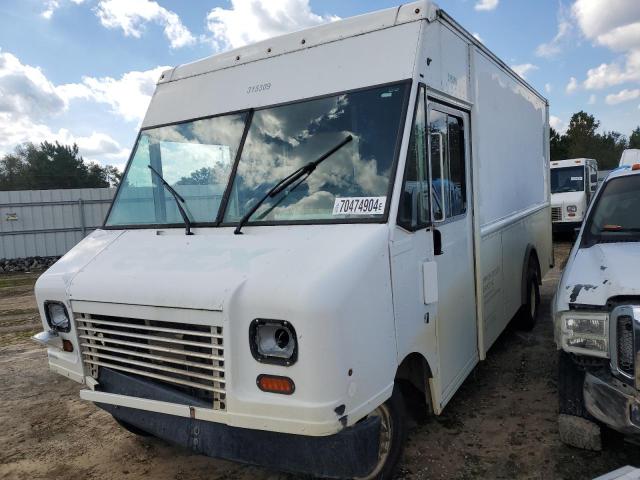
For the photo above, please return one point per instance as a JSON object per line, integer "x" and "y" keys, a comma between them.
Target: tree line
{"x": 48, "y": 166}
{"x": 582, "y": 140}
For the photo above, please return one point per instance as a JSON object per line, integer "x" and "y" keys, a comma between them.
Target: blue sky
{"x": 83, "y": 70}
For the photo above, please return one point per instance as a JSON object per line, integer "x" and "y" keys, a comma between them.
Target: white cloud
{"x": 477, "y": 36}
{"x": 249, "y": 21}
{"x": 557, "y": 124}
{"x": 614, "y": 24}
{"x": 592, "y": 99}
{"x": 132, "y": 16}
{"x": 50, "y": 6}
{"x": 29, "y": 101}
{"x": 622, "y": 96}
{"x": 555, "y": 46}
{"x": 486, "y": 5}
{"x": 572, "y": 86}
{"x": 524, "y": 69}
{"x": 128, "y": 96}
{"x": 548, "y": 87}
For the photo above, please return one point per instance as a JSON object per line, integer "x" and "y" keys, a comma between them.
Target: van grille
{"x": 185, "y": 356}
{"x": 556, "y": 214}
{"x": 624, "y": 330}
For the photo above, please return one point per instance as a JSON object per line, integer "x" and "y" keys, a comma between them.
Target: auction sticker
{"x": 359, "y": 205}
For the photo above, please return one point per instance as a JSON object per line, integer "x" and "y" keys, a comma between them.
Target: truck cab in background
{"x": 596, "y": 313}
{"x": 573, "y": 184}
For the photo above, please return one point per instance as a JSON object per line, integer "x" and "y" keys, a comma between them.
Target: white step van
{"x": 629, "y": 157}
{"x": 573, "y": 183}
{"x": 305, "y": 225}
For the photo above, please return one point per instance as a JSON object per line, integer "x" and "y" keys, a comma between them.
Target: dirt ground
{"x": 501, "y": 424}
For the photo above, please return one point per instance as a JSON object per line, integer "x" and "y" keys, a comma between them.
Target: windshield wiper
{"x": 303, "y": 171}
{"x": 176, "y": 196}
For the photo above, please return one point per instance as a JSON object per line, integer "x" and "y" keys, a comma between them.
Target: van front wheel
{"x": 393, "y": 433}
{"x": 528, "y": 314}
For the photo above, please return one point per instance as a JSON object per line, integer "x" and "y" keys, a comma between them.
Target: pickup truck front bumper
{"x": 614, "y": 403}
{"x": 353, "y": 452}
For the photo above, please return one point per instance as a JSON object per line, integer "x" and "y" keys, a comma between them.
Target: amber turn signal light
{"x": 275, "y": 384}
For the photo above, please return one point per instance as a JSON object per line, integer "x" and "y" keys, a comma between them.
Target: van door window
{"x": 413, "y": 212}
{"x": 448, "y": 176}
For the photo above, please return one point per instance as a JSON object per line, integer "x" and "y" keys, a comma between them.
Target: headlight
{"x": 572, "y": 209}
{"x": 586, "y": 333}
{"x": 273, "y": 341}
{"x": 57, "y": 316}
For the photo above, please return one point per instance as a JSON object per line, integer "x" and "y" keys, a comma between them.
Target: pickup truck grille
{"x": 185, "y": 356}
{"x": 624, "y": 345}
{"x": 556, "y": 214}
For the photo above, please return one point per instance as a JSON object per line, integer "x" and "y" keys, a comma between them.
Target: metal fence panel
{"x": 49, "y": 222}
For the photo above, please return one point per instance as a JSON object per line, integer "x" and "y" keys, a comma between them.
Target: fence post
{"x": 83, "y": 223}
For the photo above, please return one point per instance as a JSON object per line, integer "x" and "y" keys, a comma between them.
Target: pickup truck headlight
{"x": 586, "y": 333}
{"x": 572, "y": 208}
{"x": 273, "y": 341}
{"x": 57, "y": 316}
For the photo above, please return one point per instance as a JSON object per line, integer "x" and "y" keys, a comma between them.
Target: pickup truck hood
{"x": 167, "y": 268}
{"x": 600, "y": 272}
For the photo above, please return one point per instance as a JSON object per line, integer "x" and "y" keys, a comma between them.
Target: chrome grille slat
{"x": 189, "y": 357}
{"x": 155, "y": 375}
{"x": 151, "y": 357}
{"x": 186, "y": 373}
{"x": 146, "y": 337}
{"x": 152, "y": 347}
{"x": 154, "y": 329}
{"x": 624, "y": 344}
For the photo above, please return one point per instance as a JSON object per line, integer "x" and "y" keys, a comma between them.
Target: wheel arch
{"x": 414, "y": 370}
{"x": 531, "y": 254}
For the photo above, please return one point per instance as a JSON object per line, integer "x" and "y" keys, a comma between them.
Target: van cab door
{"x": 453, "y": 244}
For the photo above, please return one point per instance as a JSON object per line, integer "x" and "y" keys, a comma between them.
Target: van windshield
{"x": 197, "y": 159}
{"x": 614, "y": 218}
{"x": 567, "y": 179}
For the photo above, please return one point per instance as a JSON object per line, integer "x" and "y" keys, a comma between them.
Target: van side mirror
{"x": 437, "y": 242}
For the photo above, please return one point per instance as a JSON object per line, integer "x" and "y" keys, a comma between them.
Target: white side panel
{"x": 448, "y": 69}
{"x": 375, "y": 58}
{"x": 492, "y": 285}
{"x": 508, "y": 124}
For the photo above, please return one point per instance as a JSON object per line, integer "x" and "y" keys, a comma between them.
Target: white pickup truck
{"x": 597, "y": 317}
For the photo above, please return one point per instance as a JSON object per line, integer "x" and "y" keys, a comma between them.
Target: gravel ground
{"x": 501, "y": 424}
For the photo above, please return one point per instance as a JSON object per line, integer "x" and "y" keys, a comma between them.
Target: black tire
{"x": 528, "y": 315}
{"x": 394, "y": 409}
{"x": 132, "y": 428}
{"x": 570, "y": 385}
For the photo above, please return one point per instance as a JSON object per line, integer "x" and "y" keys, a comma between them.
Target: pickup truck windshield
{"x": 197, "y": 160}
{"x": 567, "y": 179}
{"x": 615, "y": 217}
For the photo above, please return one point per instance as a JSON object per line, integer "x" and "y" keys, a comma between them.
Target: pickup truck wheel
{"x": 528, "y": 314}
{"x": 393, "y": 433}
{"x": 576, "y": 426}
{"x": 132, "y": 428}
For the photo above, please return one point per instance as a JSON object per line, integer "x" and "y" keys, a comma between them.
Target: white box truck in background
{"x": 573, "y": 183}
{"x": 630, "y": 157}
{"x": 304, "y": 225}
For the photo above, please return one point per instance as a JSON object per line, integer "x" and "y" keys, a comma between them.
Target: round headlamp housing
{"x": 273, "y": 341}
{"x": 57, "y": 316}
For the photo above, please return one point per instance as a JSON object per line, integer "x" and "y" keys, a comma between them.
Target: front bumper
{"x": 565, "y": 227}
{"x": 614, "y": 403}
{"x": 353, "y": 452}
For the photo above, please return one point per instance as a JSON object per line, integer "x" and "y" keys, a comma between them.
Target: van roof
{"x": 571, "y": 162}
{"x": 308, "y": 38}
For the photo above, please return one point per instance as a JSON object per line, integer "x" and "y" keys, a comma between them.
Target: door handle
{"x": 437, "y": 242}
